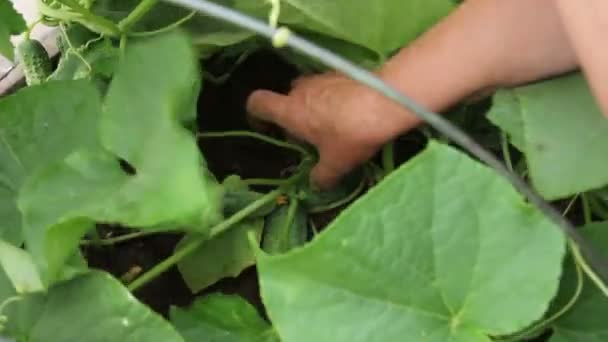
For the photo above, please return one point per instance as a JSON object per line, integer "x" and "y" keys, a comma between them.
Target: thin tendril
{"x": 504, "y": 143}
{"x": 258, "y": 136}
{"x": 118, "y": 239}
{"x": 166, "y": 28}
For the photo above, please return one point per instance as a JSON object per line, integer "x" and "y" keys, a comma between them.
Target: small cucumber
{"x": 37, "y": 65}
{"x": 286, "y": 228}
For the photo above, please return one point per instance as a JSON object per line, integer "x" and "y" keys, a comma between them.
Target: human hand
{"x": 346, "y": 121}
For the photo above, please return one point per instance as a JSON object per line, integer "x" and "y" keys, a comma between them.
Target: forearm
{"x": 484, "y": 43}
{"x": 586, "y": 23}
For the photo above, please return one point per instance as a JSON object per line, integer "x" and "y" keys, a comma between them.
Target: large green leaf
{"x": 586, "y": 321}
{"x": 39, "y": 125}
{"x": 430, "y": 254}
{"x": 94, "y": 307}
{"x": 144, "y": 111}
{"x": 561, "y": 131}
{"x": 11, "y": 23}
{"x": 221, "y": 318}
{"x": 383, "y": 26}
{"x": 146, "y": 107}
{"x": 226, "y": 255}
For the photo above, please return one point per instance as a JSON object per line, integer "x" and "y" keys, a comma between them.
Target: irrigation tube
{"x": 437, "y": 121}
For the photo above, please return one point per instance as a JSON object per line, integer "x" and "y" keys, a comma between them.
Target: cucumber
{"x": 36, "y": 62}
{"x": 286, "y": 228}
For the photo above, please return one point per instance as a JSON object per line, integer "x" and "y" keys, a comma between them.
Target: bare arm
{"x": 587, "y": 25}
{"x": 483, "y": 43}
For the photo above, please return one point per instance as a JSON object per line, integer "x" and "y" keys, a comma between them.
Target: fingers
{"x": 268, "y": 106}
{"x": 328, "y": 172}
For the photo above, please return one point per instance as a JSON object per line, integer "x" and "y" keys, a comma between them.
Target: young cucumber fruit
{"x": 36, "y": 62}
{"x": 285, "y": 229}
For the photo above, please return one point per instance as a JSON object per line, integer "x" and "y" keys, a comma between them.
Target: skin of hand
{"x": 586, "y": 24}
{"x": 482, "y": 44}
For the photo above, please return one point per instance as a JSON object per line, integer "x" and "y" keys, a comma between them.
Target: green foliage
{"x": 442, "y": 269}
{"x": 552, "y": 122}
{"x": 441, "y": 250}
{"x": 168, "y": 191}
{"x": 221, "y": 318}
{"x": 92, "y": 307}
{"x": 84, "y": 56}
{"x": 388, "y": 26}
{"x": 585, "y": 321}
{"x": 20, "y": 269}
{"x": 226, "y": 255}
{"x": 33, "y": 126}
{"x": 11, "y": 23}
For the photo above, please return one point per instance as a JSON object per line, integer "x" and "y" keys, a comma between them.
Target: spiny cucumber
{"x": 36, "y": 62}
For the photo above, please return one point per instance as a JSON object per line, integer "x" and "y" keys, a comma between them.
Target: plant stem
{"x": 118, "y": 239}
{"x": 195, "y": 243}
{"x": 289, "y": 218}
{"x": 586, "y": 209}
{"x": 264, "y": 182}
{"x": 138, "y": 12}
{"x": 597, "y": 207}
{"x": 576, "y": 253}
{"x": 258, "y": 136}
{"x": 388, "y": 157}
{"x": 506, "y": 153}
{"x": 570, "y": 205}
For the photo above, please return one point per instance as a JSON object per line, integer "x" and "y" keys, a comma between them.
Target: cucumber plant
{"x": 437, "y": 247}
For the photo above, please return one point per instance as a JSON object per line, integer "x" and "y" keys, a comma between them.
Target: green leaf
{"x": 505, "y": 113}
{"x": 552, "y": 123}
{"x": 210, "y": 35}
{"x": 227, "y": 255}
{"x": 145, "y": 110}
{"x": 431, "y": 254}
{"x": 388, "y": 25}
{"x": 142, "y": 123}
{"x": 92, "y": 307}
{"x": 40, "y": 125}
{"x": 11, "y": 23}
{"x": 221, "y": 318}
{"x": 19, "y": 266}
{"x": 586, "y": 320}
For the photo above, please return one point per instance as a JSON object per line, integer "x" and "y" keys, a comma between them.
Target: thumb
{"x": 268, "y": 106}
{"x": 328, "y": 172}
